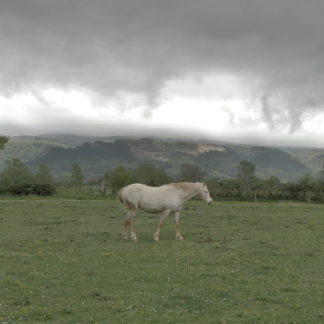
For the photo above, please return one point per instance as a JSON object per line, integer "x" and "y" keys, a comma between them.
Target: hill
{"x": 313, "y": 158}
{"x": 27, "y": 148}
{"x": 97, "y": 155}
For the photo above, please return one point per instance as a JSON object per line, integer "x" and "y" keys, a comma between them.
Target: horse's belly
{"x": 151, "y": 208}
{"x": 157, "y": 202}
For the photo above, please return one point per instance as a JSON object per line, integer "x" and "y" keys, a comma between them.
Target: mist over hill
{"x": 96, "y": 155}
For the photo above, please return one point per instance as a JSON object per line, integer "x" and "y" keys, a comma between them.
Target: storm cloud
{"x": 110, "y": 47}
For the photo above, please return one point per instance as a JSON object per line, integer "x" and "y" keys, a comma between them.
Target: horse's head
{"x": 204, "y": 194}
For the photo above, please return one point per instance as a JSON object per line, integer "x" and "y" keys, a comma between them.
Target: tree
{"x": 307, "y": 185}
{"x": 3, "y": 141}
{"x": 191, "y": 172}
{"x": 246, "y": 171}
{"x": 43, "y": 175}
{"x": 104, "y": 182}
{"x": 151, "y": 175}
{"x": 291, "y": 190}
{"x": 17, "y": 180}
{"x": 269, "y": 188}
{"x": 322, "y": 174}
{"x": 214, "y": 187}
{"x": 246, "y": 175}
{"x": 120, "y": 177}
{"x": 76, "y": 175}
{"x": 15, "y": 174}
{"x": 231, "y": 188}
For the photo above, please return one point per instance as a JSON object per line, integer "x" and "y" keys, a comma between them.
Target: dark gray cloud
{"x": 138, "y": 45}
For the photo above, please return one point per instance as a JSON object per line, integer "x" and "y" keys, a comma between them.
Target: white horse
{"x": 167, "y": 199}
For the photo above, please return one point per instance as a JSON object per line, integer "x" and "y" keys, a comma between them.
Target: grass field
{"x": 63, "y": 261}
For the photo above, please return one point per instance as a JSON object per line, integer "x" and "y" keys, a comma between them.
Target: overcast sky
{"x": 239, "y": 70}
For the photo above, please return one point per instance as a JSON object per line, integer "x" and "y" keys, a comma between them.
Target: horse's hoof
{"x": 156, "y": 237}
{"x": 179, "y": 238}
{"x": 124, "y": 236}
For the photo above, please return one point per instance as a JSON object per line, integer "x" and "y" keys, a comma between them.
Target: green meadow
{"x": 64, "y": 261}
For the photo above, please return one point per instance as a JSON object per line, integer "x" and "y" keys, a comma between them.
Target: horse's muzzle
{"x": 210, "y": 202}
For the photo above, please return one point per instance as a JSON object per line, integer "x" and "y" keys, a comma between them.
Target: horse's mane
{"x": 185, "y": 186}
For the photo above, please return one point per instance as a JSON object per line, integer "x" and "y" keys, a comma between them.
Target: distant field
{"x": 63, "y": 261}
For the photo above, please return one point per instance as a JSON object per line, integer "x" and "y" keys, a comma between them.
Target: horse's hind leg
{"x": 129, "y": 222}
{"x": 126, "y": 225}
{"x": 132, "y": 226}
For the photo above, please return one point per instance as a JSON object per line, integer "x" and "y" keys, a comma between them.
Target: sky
{"x": 246, "y": 71}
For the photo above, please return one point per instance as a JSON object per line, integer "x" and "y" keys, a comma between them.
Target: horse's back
{"x": 151, "y": 199}
{"x": 140, "y": 187}
{"x": 131, "y": 193}
{"x": 134, "y": 187}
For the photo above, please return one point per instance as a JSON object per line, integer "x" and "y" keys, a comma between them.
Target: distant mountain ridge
{"x": 97, "y": 155}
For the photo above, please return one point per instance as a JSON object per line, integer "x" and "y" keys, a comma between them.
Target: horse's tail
{"x": 119, "y": 195}
{"x": 125, "y": 201}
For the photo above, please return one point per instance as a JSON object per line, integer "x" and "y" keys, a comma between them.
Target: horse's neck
{"x": 190, "y": 193}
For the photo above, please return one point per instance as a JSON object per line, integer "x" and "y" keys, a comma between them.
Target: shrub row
{"x": 29, "y": 189}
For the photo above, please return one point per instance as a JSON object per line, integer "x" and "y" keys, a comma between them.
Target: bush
{"x": 150, "y": 175}
{"x": 120, "y": 177}
{"x": 29, "y": 189}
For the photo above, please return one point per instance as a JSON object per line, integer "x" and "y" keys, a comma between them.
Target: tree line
{"x": 246, "y": 185}
{"x": 16, "y": 179}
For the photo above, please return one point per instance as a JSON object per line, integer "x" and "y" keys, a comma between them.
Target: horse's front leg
{"x": 156, "y": 235}
{"x": 177, "y": 222}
